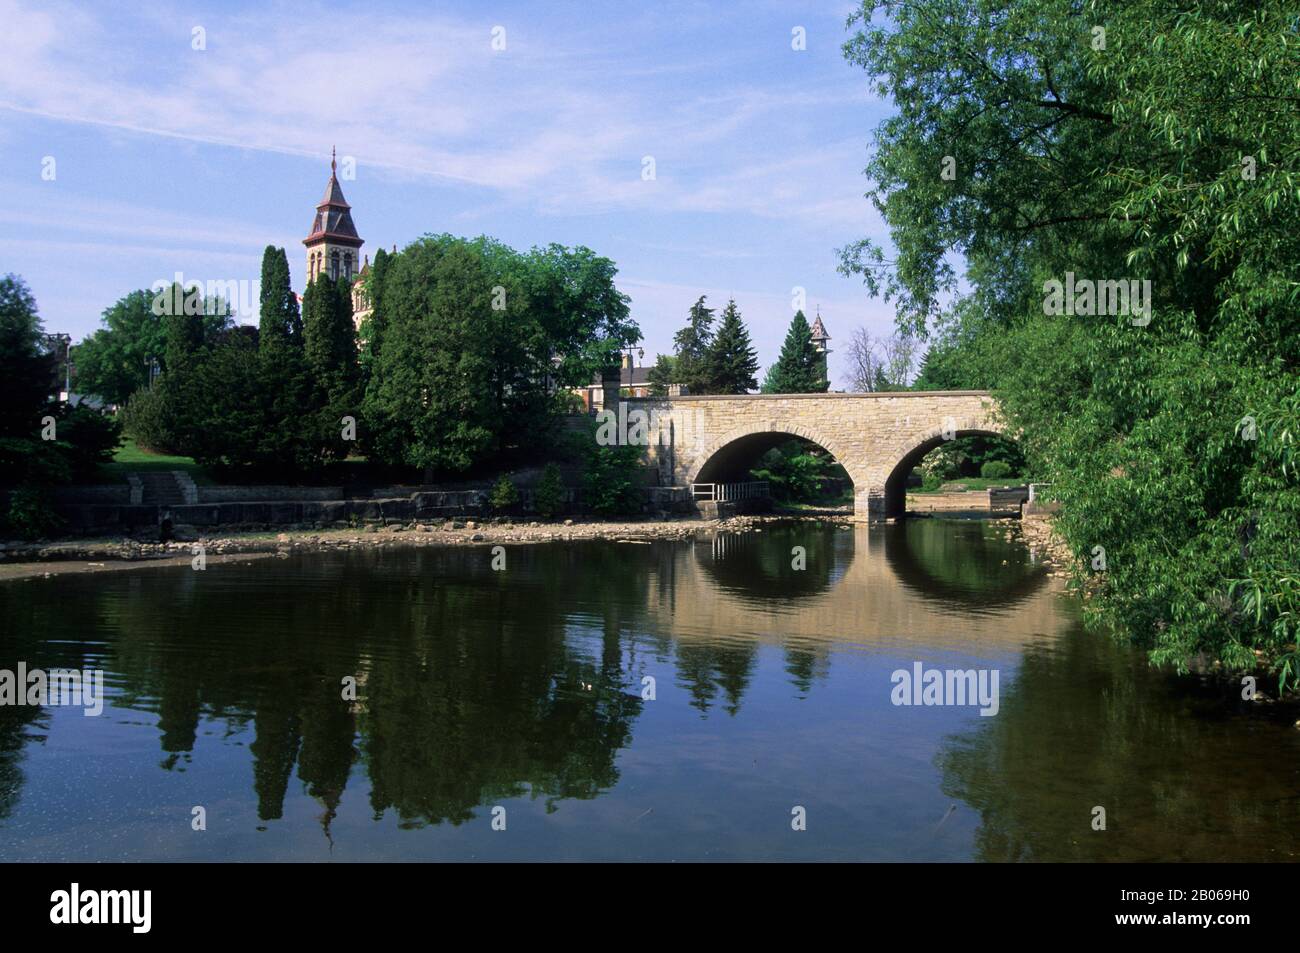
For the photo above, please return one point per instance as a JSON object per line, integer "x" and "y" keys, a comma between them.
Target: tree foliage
{"x": 799, "y": 368}
{"x": 42, "y": 440}
{"x": 478, "y": 342}
{"x": 1138, "y": 140}
{"x": 691, "y": 349}
{"x": 731, "y": 360}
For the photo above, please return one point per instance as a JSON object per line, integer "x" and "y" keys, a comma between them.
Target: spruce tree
{"x": 732, "y": 361}
{"x": 663, "y": 375}
{"x": 800, "y": 368}
{"x": 692, "y": 345}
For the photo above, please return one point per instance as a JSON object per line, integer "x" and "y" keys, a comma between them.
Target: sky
{"x": 529, "y": 122}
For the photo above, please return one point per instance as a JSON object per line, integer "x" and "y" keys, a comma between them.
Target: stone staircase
{"x": 167, "y": 488}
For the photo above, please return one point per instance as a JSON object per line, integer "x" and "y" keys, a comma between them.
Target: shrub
{"x": 504, "y": 495}
{"x": 146, "y": 421}
{"x": 610, "y": 485}
{"x": 931, "y": 481}
{"x": 91, "y": 436}
{"x": 548, "y": 498}
{"x": 29, "y": 514}
{"x": 995, "y": 470}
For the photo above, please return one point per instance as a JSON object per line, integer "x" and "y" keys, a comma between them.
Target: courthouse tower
{"x": 333, "y": 247}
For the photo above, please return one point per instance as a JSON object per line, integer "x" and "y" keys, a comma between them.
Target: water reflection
{"x": 952, "y": 561}
{"x": 675, "y": 697}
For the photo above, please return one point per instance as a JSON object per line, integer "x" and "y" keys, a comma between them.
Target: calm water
{"x": 523, "y": 690}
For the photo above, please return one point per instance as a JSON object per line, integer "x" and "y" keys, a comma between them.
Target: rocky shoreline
{"x": 45, "y": 558}
{"x": 1039, "y": 534}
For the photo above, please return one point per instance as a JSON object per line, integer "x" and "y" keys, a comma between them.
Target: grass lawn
{"x": 132, "y": 459}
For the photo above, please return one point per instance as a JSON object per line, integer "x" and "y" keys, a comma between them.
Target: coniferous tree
{"x": 799, "y": 369}
{"x": 285, "y": 441}
{"x": 279, "y": 322}
{"x": 692, "y": 349}
{"x": 732, "y": 361}
{"x": 330, "y": 357}
{"x": 663, "y": 375}
{"x": 371, "y": 331}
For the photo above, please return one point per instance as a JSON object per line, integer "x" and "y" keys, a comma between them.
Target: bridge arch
{"x": 728, "y": 458}
{"x": 876, "y": 437}
{"x": 895, "y": 483}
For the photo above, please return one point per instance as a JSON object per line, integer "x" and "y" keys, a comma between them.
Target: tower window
{"x": 334, "y": 265}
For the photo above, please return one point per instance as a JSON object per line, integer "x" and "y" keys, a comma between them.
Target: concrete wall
{"x": 258, "y": 494}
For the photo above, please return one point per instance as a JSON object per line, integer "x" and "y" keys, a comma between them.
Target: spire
{"x": 819, "y": 335}
{"x": 819, "y": 329}
{"x": 333, "y": 221}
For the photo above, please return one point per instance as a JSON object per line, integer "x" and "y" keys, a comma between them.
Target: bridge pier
{"x": 869, "y": 504}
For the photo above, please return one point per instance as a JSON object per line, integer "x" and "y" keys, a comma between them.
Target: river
{"x": 599, "y": 700}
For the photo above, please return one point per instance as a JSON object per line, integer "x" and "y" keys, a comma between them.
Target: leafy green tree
{"x": 691, "y": 348}
{"x": 796, "y": 472}
{"x": 1161, "y": 150}
{"x": 732, "y": 361}
{"x": 115, "y": 361}
{"x": 42, "y": 441}
{"x": 28, "y": 384}
{"x": 478, "y": 343}
{"x": 800, "y": 368}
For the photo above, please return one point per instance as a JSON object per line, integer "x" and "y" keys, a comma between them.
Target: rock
{"x": 568, "y": 522}
{"x": 282, "y": 538}
{"x": 395, "y": 528}
{"x": 477, "y": 538}
{"x": 456, "y": 524}
{"x": 372, "y": 528}
{"x": 470, "y": 524}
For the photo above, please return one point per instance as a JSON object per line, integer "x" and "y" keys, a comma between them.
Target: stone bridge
{"x": 877, "y": 438}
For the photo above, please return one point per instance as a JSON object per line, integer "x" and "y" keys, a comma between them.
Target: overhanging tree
{"x": 1137, "y": 140}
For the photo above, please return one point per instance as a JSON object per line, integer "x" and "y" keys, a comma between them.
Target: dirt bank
{"x": 25, "y": 560}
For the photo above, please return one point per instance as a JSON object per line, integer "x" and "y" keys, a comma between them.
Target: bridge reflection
{"x": 475, "y": 685}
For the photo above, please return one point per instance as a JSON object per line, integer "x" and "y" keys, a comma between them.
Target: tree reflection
{"x": 1128, "y": 739}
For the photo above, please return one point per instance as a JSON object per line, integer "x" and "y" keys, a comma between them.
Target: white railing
{"x": 729, "y": 492}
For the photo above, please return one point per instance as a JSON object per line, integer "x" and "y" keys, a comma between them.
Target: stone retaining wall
{"x": 262, "y": 494}
{"x": 85, "y": 519}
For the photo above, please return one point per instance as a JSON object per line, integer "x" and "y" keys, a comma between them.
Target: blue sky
{"x": 173, "y": 159}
